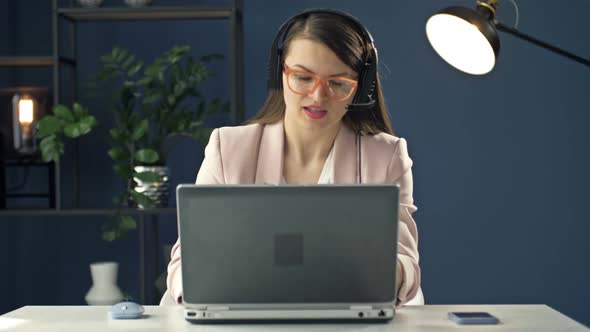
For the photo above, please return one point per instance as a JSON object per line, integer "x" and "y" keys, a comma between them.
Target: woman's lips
{"x": 315, "y": 112}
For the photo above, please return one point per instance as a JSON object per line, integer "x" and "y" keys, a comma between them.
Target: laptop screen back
{"x": 288, "y": 244}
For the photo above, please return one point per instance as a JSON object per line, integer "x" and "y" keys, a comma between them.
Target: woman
{"x": 324, "y": 121}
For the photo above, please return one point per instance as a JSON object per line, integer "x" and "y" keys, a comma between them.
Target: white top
{"x": 431, "y": 318}
{"x": 327, "y": 175}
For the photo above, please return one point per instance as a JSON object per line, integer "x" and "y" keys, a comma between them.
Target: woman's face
{"x": 317, "y": 109}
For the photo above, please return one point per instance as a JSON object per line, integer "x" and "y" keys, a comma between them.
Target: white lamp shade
{"x": 460, "y": 43}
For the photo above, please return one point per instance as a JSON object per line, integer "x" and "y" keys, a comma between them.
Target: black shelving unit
{"x": 148, "y": 231}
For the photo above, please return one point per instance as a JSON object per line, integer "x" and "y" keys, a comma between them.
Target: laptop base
{"x": 288, "y": 316}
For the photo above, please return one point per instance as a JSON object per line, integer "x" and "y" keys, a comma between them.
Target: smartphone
{"x": 473, "y": 318}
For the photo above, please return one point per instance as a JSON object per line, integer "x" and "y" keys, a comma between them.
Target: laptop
{"x": 292, "y": 253}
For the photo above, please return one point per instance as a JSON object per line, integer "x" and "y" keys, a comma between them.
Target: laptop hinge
{"x": 361, "y": 307}
{"x": 218, "y": 308}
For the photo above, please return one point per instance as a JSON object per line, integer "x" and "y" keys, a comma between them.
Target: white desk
{"x": 431, "y": 318}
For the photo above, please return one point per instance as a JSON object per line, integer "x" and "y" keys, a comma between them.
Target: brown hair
{"x": 343, "y": 38}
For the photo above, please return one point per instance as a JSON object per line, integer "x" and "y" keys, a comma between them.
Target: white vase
{"x": 104, "y": 290}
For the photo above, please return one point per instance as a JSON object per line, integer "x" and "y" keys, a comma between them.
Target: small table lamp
{"x": 23, "y": 126}
{"x": 20, "y": 110}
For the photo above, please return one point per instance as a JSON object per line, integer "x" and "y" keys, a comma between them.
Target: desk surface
{"x": 538, "y": 318}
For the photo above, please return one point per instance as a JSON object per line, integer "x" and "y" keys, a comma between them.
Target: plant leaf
{"x": 214, "y": 106}
{"x": 119, "y": 199}
{"x": 119, "y": 153}
{"x": 140, "y": 198}
{"x": 86, "y": 124}
{"x": 48, "y": 125}
{"x": 147, "y": 156}
{"x": 123, "y": 170}
{"x": 118, "y": 134}
{"x": 127, "y": 223}
{"x": 79, "y": 111}
{"x": 72, "y": 130}
{"x": 140, "y": 130}
{"x": 109, "y": 236}
{"x": 133, "y": 70}
{"x": 128, "y": 61}
{"x": 63, "y": 113}
{"x": 51, "y": 148}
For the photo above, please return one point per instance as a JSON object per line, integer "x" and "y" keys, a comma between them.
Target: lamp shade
{"x": 464, "y": 38}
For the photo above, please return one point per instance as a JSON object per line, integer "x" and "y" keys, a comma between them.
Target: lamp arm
{"x": 543, "y": 44}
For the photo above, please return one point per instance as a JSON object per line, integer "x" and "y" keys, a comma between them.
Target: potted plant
{"x": 155, "y": 103}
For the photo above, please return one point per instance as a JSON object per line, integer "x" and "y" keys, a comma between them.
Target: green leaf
{"x": 147, "y": 156}
{"x": 119, "y": 153}
{"x": 51, "y": 148}
{"x": 140, "y": 198}
{"x": 72, "y": 130}
{"x": 148, "y": 176}
{"x": 79, "y": 111}
{"x": 123, "y": 170}
{"x": 145, "y": 81}
{"x": 127, "y": 223}
{"x": 86, "y": 124}
{"x": 48, "y": 125}
{"x": 152, "y": 98}
{"x": 136, "y": 68}
{"x": 118, "y": 134}
{"x": 121, "y": 55}
{"x": 171, "y": 100}
{"x": 126, "y": 98}
{"x": 128, "y": 61}
{"x": 195, "y": 124}
{"x": 140, "y": 130}
{"x": 179, "y": 88}
{"x": 109, "y": 236}
{"x": 107, "y": 58}
{"x": 63, "y": 113}
{"x": 134, "y": 119}
{"x": 214, "y": 106}
{"x": 119, "y": 199}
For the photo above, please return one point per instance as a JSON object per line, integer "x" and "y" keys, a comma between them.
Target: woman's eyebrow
{"x": 311, "y": 71}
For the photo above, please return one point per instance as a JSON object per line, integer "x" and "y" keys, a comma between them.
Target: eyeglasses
{"x": 304, "y": 83}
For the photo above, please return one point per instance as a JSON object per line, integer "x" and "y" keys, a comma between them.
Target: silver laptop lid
{"x": 288, "y": 244}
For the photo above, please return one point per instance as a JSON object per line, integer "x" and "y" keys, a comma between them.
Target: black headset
{"x": 364, "y": 97}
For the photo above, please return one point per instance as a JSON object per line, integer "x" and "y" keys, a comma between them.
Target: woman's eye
{"x": 304, "y": 78}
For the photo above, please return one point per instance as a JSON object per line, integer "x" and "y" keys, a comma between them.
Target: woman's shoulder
{"x": 232, "y": 136}
{"x": 388, "y": 151}
{"x": 384, "y": 141}
{"x": 240, "y": 132}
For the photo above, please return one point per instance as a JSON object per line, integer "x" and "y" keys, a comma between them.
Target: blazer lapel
{"x": 345, "y": 158}
{"x": 269, "y": 169}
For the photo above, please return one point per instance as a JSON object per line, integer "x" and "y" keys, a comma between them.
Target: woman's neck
{"x": 305, "y": 147}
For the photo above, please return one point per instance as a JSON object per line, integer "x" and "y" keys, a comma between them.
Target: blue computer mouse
{"x": 126, "y": 310}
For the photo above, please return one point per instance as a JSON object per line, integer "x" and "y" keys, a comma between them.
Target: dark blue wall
{"x": 500, "y": 161}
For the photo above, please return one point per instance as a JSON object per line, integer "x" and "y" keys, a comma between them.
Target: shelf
{"x": 32, "y": 61}
{"x": 145, "y": 13}
{"x": 83, "y": 212}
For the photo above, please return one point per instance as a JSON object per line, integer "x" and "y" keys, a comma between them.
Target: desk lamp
{"x": 468, "y": 39}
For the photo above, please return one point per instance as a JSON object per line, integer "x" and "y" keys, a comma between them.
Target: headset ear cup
{"x": 278, "y": 74}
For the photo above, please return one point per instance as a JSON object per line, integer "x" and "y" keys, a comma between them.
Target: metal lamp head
{"x": 467, "y": 39}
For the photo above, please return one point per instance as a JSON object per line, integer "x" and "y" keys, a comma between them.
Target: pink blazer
{"x": 254, "y": 154}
